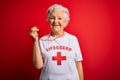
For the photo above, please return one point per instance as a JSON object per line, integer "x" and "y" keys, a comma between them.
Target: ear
{"x": 65, "y": 26}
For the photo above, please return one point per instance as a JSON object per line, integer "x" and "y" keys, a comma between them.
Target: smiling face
{"x": 57, "y": 21}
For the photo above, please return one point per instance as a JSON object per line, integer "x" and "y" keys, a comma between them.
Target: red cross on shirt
{"x": 59, "y": 58}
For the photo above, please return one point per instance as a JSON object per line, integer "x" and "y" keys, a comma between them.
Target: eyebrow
{"x": 57, "y": 16}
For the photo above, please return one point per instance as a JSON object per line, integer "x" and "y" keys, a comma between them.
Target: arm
{"x": 37, "y": 57}
{"x": 80, "y": 70}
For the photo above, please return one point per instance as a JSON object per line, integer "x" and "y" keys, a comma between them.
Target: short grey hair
{"x": 59, "y": 7}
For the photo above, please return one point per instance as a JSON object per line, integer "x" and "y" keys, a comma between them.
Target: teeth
{"x": 55, "y": 25}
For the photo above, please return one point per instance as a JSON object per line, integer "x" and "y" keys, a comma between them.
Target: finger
{"x": 35, "y": 27}
{"x": 34, "y": 30}
{"x": 34, "y": 35}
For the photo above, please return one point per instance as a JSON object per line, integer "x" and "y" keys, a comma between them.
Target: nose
{"x": 55, "y": 20}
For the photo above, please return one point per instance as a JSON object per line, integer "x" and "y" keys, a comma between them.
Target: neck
{"x": 58, "y": 34}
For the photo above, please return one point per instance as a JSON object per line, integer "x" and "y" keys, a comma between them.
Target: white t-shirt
{"x": 59, "y": 56}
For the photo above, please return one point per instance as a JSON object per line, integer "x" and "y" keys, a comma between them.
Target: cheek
{"x": 50, "y": 21}
{"x": 63, "y": 23}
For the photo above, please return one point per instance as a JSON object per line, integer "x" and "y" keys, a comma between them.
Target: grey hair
{"x": 59, "y": 7}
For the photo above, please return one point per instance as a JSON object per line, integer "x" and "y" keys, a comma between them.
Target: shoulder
{"x": 44, "y": 37}
{"x": 69, "y": 35}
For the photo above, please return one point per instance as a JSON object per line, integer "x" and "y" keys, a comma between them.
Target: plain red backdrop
{"x": 95, "y": 22}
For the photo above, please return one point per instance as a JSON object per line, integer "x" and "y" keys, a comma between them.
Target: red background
{"x": 95, "y": 22}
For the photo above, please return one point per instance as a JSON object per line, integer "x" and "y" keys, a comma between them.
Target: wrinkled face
{"x": 57, "y": 21}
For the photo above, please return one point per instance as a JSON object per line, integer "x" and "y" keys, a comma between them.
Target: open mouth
{"x": 56, "y": 24}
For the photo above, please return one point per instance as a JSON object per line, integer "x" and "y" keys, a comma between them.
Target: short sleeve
{"x": 41, "y": 46}
{"x": 77, "y": 50}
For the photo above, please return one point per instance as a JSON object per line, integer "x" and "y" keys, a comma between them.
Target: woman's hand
{"x": 33, "y": 33}
{"x": 37, "y": 57}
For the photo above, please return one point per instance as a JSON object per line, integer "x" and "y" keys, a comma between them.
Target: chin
{"x": 55, "y": 29}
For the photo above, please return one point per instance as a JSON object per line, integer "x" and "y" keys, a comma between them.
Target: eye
{"x": 59, "y": 18}
{"x": 52, "y": 18}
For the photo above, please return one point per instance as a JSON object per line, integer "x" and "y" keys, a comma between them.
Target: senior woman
{"x": 58, "y": 53}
